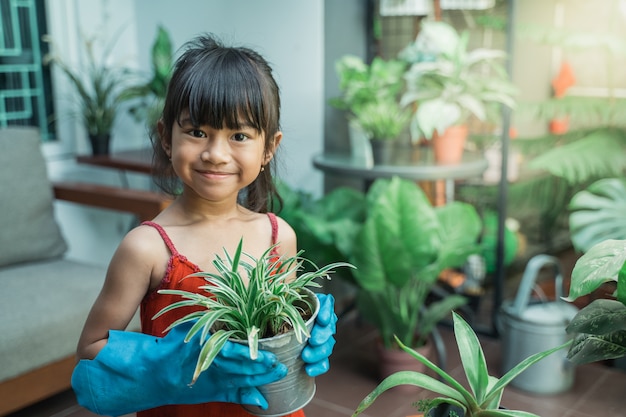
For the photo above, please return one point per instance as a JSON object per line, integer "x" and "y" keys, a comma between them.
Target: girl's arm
{"x": 127, "y": 282}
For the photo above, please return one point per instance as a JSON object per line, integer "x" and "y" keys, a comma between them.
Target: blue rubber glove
{"x": 135, "y": 372}
{"x": 316, "y": 353}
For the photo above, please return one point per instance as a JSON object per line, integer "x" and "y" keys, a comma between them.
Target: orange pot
{"x": 448, "y": 147}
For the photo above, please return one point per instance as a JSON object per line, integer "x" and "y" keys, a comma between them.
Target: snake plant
{"x": 483, "y": 398}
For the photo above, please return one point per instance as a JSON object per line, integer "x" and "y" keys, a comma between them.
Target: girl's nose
{"x": 215, "y": 152}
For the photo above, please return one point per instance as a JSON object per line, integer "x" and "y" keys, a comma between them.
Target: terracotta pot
{"x": 448, "y": 147}
{"x": 559, "y": 126}
{"x": 393, "y": 360}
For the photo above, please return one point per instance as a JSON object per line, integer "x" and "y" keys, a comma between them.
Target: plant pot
{"x": 559, "y": 126}
{"x": 392, "y": 360}
{"x": 360, "y": 148}
{"x": 297, "y": 389}
{"x": 383, "y": 151}
{"x": 448, "y": 147}
{"x": 100, "y": 144}
{"x": 445, "y": 410}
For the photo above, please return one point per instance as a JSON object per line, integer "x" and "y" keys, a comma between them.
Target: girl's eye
{"x": 240, "y": 137}
{"x": 197, "y": 133}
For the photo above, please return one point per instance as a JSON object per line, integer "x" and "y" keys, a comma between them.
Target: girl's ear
{"x": 273, "y": 145}
{"x": 165, "y": 143}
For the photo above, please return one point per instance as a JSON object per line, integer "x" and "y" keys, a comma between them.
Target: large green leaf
{"x": 399, "y": 238}
{"x": 599, "y": 154}
{"x": 589, "y": 348}
{"x": 598, "y": 213}
{"x": 601, "y": 316}
{"x": 460, "y": 229}
{"x": 600, "y": 264}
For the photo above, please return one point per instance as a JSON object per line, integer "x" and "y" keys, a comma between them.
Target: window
{"x": 25, "y": 87}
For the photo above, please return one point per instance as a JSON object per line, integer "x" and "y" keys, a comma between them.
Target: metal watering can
{"x": 529, "y": 328}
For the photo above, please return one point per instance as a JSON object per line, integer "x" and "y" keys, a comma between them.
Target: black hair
{"x": 221, "y": 86}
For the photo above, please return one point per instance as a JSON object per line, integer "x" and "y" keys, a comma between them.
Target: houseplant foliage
{"x": 600, "y": 327}
{"x": 450, "y": 83}
{"x": 370, "y": 94}
{"x": 362, "y": 84}
{"x": 597, "y": 213}
{"x": 248, "y": 299}
{"x": 152, "y": 92}
{"x": 485, "y": 394}
{"x": 326, "y": 226}
{"x": 399, "y": 252}
{"x": 100, "y": 90}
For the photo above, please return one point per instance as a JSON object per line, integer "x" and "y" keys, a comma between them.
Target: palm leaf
{"x": 601, "y": 153}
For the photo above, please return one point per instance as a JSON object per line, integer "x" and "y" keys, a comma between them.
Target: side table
{"x": 421, "y": 168}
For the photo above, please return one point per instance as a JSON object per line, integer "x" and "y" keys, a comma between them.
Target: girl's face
{"x": 214, "y": 163}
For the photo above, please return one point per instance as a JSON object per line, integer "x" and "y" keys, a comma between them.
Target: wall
{"x": 289, "y": 34}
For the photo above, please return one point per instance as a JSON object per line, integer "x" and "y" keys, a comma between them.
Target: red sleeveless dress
{"x": 178, "y": 268}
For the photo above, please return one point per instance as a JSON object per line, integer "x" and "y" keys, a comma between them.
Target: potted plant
{"x": 485, "y": 394}
{"x": 383, "y": 121}
{"x": 447, "y": 84}
{"x": 152, "y": 92}
{"x": 367, "y": 89}
{"x": 100, "y": 89}
{"x": 261, "y": 302}
{"x": 402, "y": 247}
{"x": 600, "y": 327}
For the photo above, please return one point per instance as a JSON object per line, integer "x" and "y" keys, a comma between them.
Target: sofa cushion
{"x": 28, "y": 230}
{"x": 45, "y": 305}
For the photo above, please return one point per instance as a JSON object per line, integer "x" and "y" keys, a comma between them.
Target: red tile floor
{"x": 598, "y": 390}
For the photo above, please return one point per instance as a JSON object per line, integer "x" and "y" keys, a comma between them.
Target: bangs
{"x": 226, "y": 91}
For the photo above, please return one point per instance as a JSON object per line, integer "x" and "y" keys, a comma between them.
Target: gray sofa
{"x": 44, "y": 297}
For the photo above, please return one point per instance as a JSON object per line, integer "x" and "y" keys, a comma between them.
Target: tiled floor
{"x": 598, "y": 390}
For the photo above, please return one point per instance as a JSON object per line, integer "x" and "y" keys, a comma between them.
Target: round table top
{"x": 419, "y": 166}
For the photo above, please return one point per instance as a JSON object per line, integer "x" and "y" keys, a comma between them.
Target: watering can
{"x": 531, "y": 327}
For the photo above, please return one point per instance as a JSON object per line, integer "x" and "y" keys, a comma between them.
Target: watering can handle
{"x": 528, "y": 281}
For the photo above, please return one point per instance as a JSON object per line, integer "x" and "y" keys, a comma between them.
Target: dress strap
{"x": 274, "y": 224}
{"x": 164, "y": 236}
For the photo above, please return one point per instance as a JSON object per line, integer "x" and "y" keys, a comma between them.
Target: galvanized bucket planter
{"x": 297, "y": 389}
{"x": 529, "y": 328}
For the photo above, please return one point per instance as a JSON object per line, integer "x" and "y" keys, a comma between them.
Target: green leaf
{"x": 598, "y": 265}
{"x": 472, "y": 358}
{"x": 504, "y": 413}
{"x": 408, "y": 378}
{"x": 597, "y": 213}
{"x": 521, "y": 367}
{"x": 253, "y": 342}
{"x": 600, "y": 317}
{"x": 588, "y": 348}
{"x": 400, "y": 235}
{"x": 209, "y": 351}
{"x": 460, "y": 227}
{"x": 599, "y": 154}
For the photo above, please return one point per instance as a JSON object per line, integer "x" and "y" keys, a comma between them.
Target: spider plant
{"x": 248, "y": 299}
{"x": 99, "y": 86}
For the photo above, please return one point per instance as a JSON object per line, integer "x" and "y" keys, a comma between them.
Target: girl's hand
{"x": 135, "y": 372}
{"x": 322, "y": 340}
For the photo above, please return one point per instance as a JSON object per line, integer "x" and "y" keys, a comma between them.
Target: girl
{"x": 214, "y": 145}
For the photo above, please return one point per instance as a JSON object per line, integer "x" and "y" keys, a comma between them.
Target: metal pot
{"x": 296, "y": 389}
